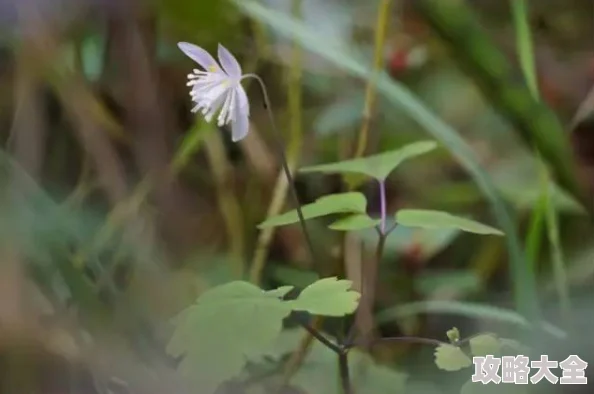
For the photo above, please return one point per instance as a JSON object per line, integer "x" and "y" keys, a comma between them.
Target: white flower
{"x": 218, "y": 87}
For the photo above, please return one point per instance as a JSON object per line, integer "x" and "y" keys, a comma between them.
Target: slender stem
{"x": 294, "y": 142}
{"x": 344, "y": 372}
{"x": 318, "y": 335}
{"x": 345, "y": 376}
{"x": 382, "y": 187}
{"x": 426, "y": 341}
{"x": 364, "y": 315}
{"x": 281, "y": 152}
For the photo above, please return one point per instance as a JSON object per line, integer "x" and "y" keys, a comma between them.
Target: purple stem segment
{"x": 382, "y": 186}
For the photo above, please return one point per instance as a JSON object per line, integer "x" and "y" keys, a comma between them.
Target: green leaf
{"x": 376, "y": 166}
{"x": 354, "y": 222}
{"x": 429, "y": 219}
{"x": 327, "y": 297}
{"x": 451, "y": 358}
{"x": 471, "y": 387}
{"x": 226, "y": 327}
{"x": 485, "y": 344}
{"x": 352, "y": 202}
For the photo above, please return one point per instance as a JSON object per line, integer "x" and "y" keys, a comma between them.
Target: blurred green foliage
{"x": 121, "y": 209}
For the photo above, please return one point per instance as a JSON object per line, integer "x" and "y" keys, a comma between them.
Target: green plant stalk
{"x": 364, "y": 314}
{"x": 381, "y": 26}
{"x": 370, "y": 95}
{"x": 525, "y": 52}
{"x": 295, "y": 141}
{"x": 277, "y": 203}
{"x": 281, "y": 186}
{"x": 545, "y": 207}
{"x": 344, "y": 373}
{"x": 295, "y": 99}
{"x": 284, "y": 163}
{"x": 312, "y": 329}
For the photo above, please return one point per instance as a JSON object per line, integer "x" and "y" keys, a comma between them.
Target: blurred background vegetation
{"x": 119, "y": 207}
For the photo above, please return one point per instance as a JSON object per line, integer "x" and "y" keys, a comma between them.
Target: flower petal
{"x": 199, "y": 55}
{"x": 240, "y": 123}
{"x": 242, "y": 101}
{"x": 239, "y": 128}
{"x": 229, "y": 63}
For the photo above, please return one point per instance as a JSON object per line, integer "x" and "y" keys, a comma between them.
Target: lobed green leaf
{"x": 451, "y": 358}
{"x": 227, "y": 326}
{"x": 327, "y": 297}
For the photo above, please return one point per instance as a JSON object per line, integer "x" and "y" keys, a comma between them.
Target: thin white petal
{"x": 240, "y": 122}
{"x": 242, "y": 99}
{"x": 232, "y": 105}
{"x": 239, "y": 128}
{"x": 199, "y": 55}
{"x": 229, "y": 63}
